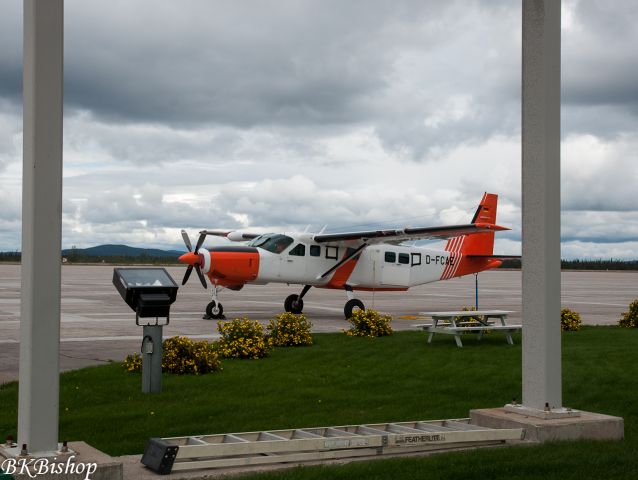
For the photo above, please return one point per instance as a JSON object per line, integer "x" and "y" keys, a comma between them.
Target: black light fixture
{"x": 148, "y": 291}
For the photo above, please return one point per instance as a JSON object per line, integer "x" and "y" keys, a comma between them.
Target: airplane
{"x": 374, "y": 260}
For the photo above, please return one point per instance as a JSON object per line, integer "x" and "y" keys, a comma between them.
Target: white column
{"x": 41, "y": 225}
{"x": 542, "y": 382}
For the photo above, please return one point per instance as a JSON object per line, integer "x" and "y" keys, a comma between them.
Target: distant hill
{"x": 120, "y": 251}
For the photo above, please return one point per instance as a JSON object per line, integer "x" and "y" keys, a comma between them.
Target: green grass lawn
{"x": 345, "y": 380}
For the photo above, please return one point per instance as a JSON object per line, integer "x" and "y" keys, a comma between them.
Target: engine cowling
{"x": 232, "y": 265}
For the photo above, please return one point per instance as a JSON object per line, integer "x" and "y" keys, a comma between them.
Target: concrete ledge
{"x": 107, "y": 467}
{"x": 587, "y": 426}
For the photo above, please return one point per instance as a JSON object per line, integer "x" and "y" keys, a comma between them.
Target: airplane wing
{"x": 401, "y": 235}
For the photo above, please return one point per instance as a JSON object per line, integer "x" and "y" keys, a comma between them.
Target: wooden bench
{"x": 455, "y": 323}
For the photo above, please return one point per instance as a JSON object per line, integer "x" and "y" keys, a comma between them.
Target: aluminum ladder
{"x": 166, "y": 455}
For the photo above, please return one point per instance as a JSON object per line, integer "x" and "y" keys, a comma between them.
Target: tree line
{"x": 594, "y": 264}
{"x": 76, "y": 257}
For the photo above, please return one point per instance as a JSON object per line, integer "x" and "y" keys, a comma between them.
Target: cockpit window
{"x": 273, "y": 242}
{"x": 258, "y": 241}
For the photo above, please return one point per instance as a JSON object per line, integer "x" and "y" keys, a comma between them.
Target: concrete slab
{"x": 587, "y": 426}
{"x": 106, "y": 467}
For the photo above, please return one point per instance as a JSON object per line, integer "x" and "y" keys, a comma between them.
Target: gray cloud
{"x": 10, "y": 135}
{"x": 599, "y": 174}
{"x": 600, "y": 61}
{"x": 222, "y": 63}
{"x": 600, "y": 227}
{"x": 11, "y": 51}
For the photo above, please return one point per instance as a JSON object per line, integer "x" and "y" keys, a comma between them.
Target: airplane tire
{"x": 351, "y": 305}
{"x": 293, "y": 304}
{"x": 215, "y": 310}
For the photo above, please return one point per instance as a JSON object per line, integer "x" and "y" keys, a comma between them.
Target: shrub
{"x": 181, "y": 355}
{"x": 133, "y": 363}
{"x": 474, "y": 318}
{"x": 630, "y": 319}
{"x": 289, "y": 330}
{"x": 242, "y": 338}
{"x": 369, "y": 323}
{"x": 569, "y": 320}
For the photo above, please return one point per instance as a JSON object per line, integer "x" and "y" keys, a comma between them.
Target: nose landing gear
{"x": 214, "y": 309}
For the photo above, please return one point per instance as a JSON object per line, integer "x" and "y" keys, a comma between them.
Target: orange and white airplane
{"x": 373, "y": 260}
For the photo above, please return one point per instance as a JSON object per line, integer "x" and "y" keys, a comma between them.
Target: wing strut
{"x": 344, "y": 260}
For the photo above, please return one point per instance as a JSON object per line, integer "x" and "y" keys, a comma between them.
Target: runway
{"x": 97, "y": 326}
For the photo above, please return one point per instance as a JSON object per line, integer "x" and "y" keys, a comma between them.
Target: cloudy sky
{"x": 280, "y": 114}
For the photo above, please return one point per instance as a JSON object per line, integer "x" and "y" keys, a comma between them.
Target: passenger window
{"x": 299, "y": 250}
{"x": 390, "y": 257}
{"x": 315, "y": 250}
{"x": 332, "y": 252}
{"x": 404, "y": 258}
{"x": 416, "y": 259}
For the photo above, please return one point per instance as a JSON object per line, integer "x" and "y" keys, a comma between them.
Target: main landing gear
{"x": 214, "y": 309}
{"x": 294, "y": 302}
{"x": 352, "y": 304}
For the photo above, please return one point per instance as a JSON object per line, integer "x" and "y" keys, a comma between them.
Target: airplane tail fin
{"x": 482, "y": 243}
{"x": 486, "y": 211}
{"x": 471, "y": 253}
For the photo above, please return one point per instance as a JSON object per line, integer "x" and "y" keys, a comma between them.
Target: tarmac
{"x": 98, "y": 327}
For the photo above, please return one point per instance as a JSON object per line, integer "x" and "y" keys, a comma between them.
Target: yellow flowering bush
{"x": 467, "y": 319}
{"x": 473, "y": 318}
{"x": 569, "y": 320}
{"x": 133, "y": 363}
{"x": 289, "y": 330}
{"x": 369, "y": 323}
{"x": 242, "y": 338}
{"x": 181, "y": 355}
{"x": 630, "y": 319}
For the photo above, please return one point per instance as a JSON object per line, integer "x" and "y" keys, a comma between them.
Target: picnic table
{"x": 456, "y": 323}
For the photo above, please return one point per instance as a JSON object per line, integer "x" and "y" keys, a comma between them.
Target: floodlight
{"x": 148, "y": 291}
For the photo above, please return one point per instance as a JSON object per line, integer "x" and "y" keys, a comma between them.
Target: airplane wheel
{"x": 293, "y": 304}
{"x": 351, "y": 305}
{"x": 215, "y": 310}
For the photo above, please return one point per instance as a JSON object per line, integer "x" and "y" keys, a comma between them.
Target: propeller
{"x": 191, "y": 262}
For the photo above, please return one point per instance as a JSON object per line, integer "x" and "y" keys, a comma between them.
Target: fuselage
{"x": 297, "y": 259}
{"x": 358, "y": 260}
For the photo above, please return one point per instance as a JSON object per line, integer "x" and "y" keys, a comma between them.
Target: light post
{"x": 149, "y": 292}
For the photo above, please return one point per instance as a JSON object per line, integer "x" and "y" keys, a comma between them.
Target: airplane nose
{"x": 190, "y": 258}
